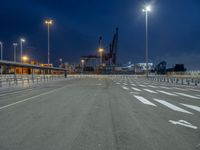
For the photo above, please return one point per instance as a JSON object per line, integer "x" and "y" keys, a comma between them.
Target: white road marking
{"x": 133, "y": 84}
{"x": 27, "y": 99}
{"x": 125, "y": 83}
{"x": 118, "y": 83}
{"x": 186, "y": 95}
{"x": 197, "y": 108}
{"x": 143, "y": 100}
{"x": 171, "y": 106}
{"x": 125, "y": 88}
{"x": 150, "y": 91}
{"x": 5, "y": 94}
{"x": 152, "y": 86}
{"x": 195, "y": 90}
{"x": 142, "y": 85}
{"x": 134, "y": 93}
{"x": 136, "y": 89}
{"x": 179, "y": 89}
{"x": 183, "y": 123}
{"x": 164, "y": 87}
{"x": 167, "y": 93}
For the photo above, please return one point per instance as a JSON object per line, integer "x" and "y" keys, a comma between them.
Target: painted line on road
{"x": 183, "y": 123}
{"x": 197, "y": 108}
{"x": 186, "y": 95}
{"x": 30, "y": 98}
{"x": 136, "y": 89}
{"x": 167, "y": 93}
{"x": 134, "y": 93}
{"x": 173, "y": 107}
{"x": 142, "y": 85}
{"x": 195, "y": 90}
{"x": 144, "y": 101}
{"x": 179, "y": 89}
{"x": 5, "y": 94}
{"x": 164, "y": 87}
{"x": 150, "y": 91}
{"x": 152, "y": 86}
{"x": 125, "y": 88}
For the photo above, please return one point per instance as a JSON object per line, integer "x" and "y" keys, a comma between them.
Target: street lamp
{"x": 15, "y": 45}
{"x": 48, "y": 22}
{"x": 82, "y": 64}
{"x": 22, "y": 40}
{"x": 25, "y": 58}
{"x": 146, "y": 10}
{"x": 101, "y": 50}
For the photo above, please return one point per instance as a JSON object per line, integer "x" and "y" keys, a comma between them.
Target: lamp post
{"x": 101, "y": 50}
{"x": 21, "y": 48}
{"x": 48, "y": 22}
{"x": 15, "y": 46}
{"x": 82, "y": 64}
{"x": 146, "y": 10}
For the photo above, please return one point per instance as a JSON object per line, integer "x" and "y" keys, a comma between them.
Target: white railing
{"x": 12, "y": 80}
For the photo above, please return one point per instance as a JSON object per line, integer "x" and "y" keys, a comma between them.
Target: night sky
{"x": 174, "y": 29}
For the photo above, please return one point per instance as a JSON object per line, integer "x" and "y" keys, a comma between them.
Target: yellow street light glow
{"x": 101, "y": 50}
{"x": 25, "y": 58}
{"x": 49, "y": 22}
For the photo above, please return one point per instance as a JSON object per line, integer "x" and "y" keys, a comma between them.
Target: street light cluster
{"x": 49, "y": 22}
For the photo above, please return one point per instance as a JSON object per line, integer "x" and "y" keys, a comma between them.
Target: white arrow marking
{"x": 183, "y": 123}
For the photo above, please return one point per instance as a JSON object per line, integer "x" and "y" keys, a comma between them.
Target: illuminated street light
{"x": 48, "y": 23}
{"x": 146, "y": 10}
{"x": 101, "y": 50}
{"x": 15, "y": 45}
{"x": 25, "y": 58}
{"x": 82, "y": 64}
{"x": 22, "y": 40}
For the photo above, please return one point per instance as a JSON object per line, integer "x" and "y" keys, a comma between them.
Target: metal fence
{"x": 12, "y": 80}
{"x": 182, "y": 80}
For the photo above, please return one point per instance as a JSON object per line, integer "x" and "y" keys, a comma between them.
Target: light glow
{"x": 49, "y": 22}
{"x": 147, "y": 8}
{"x": 25, "y": 58}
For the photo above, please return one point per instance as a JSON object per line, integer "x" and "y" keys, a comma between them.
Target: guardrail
{"x": 182, "y": 80}
{"x": 12, "y": 80}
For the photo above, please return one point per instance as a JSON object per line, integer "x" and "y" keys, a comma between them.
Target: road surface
{"x": 100, "y": 113}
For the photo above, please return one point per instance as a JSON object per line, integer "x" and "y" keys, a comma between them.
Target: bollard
{"x": 195, "y": 83}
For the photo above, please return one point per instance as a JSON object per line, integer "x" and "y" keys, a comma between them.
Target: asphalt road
{"x": 100, "y": 113}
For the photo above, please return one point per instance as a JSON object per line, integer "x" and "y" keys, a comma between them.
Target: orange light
{"x": 49, "y": 22}
{"x": 25, "y": 58}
